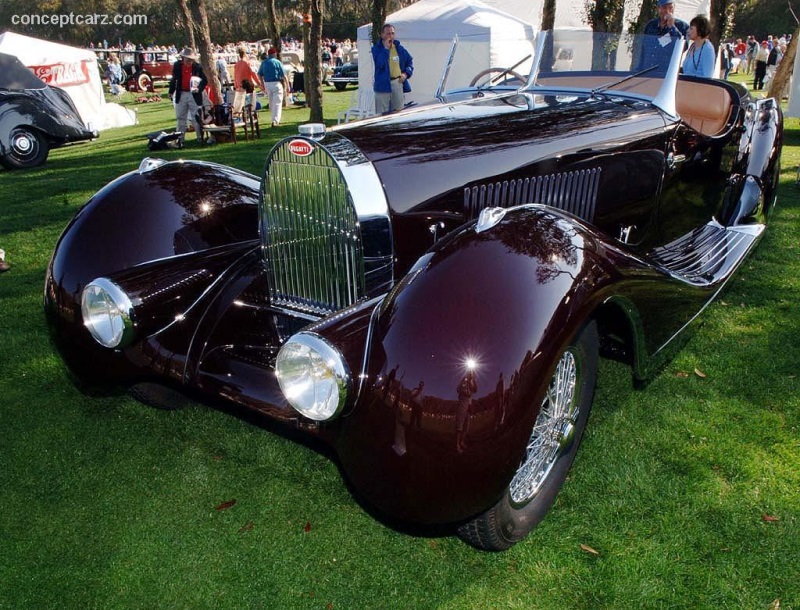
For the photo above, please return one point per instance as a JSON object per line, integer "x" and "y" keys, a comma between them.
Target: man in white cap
{"x": 187, "y": 85}
{"x": 661, "y": 34}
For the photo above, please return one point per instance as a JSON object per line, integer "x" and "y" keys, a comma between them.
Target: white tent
{"x": 72, "y": 69}
{"x": 488, "y": 37}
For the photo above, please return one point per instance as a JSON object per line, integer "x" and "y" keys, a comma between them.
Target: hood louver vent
{"x": 574, "y": 192}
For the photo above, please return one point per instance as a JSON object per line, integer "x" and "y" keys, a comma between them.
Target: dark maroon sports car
{"x": 429, "y": 292}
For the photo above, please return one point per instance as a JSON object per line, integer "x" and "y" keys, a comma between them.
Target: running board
{"x": 707, "y": 255}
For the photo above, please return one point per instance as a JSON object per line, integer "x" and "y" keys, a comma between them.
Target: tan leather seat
{"x": 705, "y": 107}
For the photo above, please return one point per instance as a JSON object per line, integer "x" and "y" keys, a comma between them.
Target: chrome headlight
{"x": 106, "y": 313}
{"x": 313, "y": 376}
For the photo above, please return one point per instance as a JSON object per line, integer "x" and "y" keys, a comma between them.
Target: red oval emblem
{"x": 301, "y": 148}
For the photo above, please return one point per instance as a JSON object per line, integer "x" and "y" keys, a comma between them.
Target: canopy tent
{"x": 72, "y": 69}
{"x": 488, "y": 37}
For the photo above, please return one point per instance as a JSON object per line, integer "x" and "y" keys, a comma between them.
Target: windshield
{"x": 644, "y": 67}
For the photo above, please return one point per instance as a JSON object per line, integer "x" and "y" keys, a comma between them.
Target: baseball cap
{"x": 665, "y": 2}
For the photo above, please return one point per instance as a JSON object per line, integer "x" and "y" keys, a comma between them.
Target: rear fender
{"x": 748, "y": 197}
{"x": 766, "y": 139}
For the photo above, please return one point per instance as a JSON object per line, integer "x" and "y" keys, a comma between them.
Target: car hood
{"x": 423, "y": 152}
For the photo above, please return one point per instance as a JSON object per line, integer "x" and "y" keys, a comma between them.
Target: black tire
{"x": 527, "y": 499}
{"x": 27, "y": 148}
{"x": 340, "y": 86}
{"x": 159, "y": 396}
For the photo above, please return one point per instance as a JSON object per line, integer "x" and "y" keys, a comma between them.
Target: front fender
{"x": 463, "y": 350}
{"x": 149, "y": 231}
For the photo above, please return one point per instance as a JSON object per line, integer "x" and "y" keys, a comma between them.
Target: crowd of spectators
{"x": 333, "y": 51}
{"x": 749, "y": 56}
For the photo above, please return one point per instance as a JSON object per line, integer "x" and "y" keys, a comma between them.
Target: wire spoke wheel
{"x": 551, "y": 433}
{"x": 562, "y": 413}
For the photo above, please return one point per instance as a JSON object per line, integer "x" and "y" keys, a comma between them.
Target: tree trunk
{"x": 780, "y": 82}
{"x": 187, "y": 21}
{"x": 549, "y": 14}
{"x": 206, "y": 48}
{"x": 272, "y": 25}
{"x": 721, "y": 14}
{"x": 378, "y": 19}
{"x": 646, "y": 12}
{"x": 313, "y": 73}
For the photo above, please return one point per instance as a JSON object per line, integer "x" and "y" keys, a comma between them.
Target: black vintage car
{"x": 429, "y": 292}
{"x": 346, "y": 74}
{"x": 34, "y": 117}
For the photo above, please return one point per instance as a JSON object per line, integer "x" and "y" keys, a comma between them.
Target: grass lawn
{"x": 685, "y": 494}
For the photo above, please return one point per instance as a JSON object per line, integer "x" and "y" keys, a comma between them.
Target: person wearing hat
{"x": 272, "y": 73}
{"x": 661, "y": 34}
{"x": 187, "y": 86}
{"x": 762, "y": 55}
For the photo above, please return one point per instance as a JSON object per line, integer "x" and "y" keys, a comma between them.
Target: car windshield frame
{"x": 585, "y": 63}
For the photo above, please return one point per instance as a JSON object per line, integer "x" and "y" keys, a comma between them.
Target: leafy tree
{"x": 763, "y": 17}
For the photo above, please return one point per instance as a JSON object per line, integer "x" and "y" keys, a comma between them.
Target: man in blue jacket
{"x": 393, "y": 67}
{"x": 661, "y": 35}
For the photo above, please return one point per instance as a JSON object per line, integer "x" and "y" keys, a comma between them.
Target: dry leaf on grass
{"x": 307, "y": 527}
{"x": 769, "y": 518}
{"x": 225, "y": 505}
{"x": 682, "y": 374}
{"x": 247, "y": 527}
{"x": 699, "y": 373}
{"x": 587, "y": 549}
{"x": 775, "y": 605}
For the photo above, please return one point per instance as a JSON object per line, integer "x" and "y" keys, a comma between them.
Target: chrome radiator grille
{"x": 310, "y": 232}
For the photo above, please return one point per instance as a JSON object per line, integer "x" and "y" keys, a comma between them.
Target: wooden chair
{"x": 226, "y": 126}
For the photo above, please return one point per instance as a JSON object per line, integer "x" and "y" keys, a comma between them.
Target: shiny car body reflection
{"x": 429, "y": 292}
